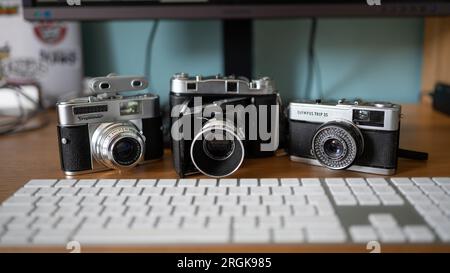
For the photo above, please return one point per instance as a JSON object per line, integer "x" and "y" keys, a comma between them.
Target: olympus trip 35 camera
{"x": 110, "y": 129}
{"x": 353, "y": 135}
{"x": 217, "y": 121}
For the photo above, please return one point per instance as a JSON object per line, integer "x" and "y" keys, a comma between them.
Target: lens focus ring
{"x": 118, "y": 145}
{"x": 336, "y": 145}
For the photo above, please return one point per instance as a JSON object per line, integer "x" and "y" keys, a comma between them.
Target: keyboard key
{"x": 88, "y": 191}
{"x": 248, "y": 182}
{"x": 363, "y": 234}
{"x": 183, "y": 210}
{"x": 368, "y": 199}
{"x": 67, "y": 191}
{"x": 216, "y": 191}
{"x": 126, "y": 183}
{"x": 322, "y": 235}
{"x": 64, "y": 183}
{"x": 289, "y": 235}
{"x": 152, "y": 191}
{"x": 310, "y": 182}
{"x": 166, "y": 182}
{"x": 106, "y": 183}
{"x": 376, "y": 181}
{"x": 207, "y": 182}
{"x": 345, "y": 200}
{"x": 391, "y": 200}
{"x": 187, "y": 182}
{"x": 204, "y": 200}
{"x": 355, "y": 181}
{"x": 268, "y": 182}
{"x": 339, "y": 189}
{"x": 173, "y": 191}
{"x": 82, "y": 183}
{"x": 227, "y": 182}
{"x": 25, "y": 191}
{"x": 335, "y": 181}
{"x": 418, "y": 234}
{"x": 46, "y": 191}
{"x": 109, "y": 191}
{"x": 251, "y": 236}
{"x": 442, "y": 180}
{"x": 128, "y": 191}
{"x": 422, "y": 181}
{"x": 238, "y": 191}
{"x": 181, "y": 200}
{"x": 383, "y": 189}
{"x": 382, "y": 220}
{"x": 146, "y": 183}
{"x": 40, "y": 183}
{"x": 289, "y": 182}
{"x": 391, "y": 235}
{"x": 401, "y": 181}
{"x": 259, "y": 190}
{"x": 195, "y": 191}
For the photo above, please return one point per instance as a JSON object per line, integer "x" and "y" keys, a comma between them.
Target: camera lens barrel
{"x": 337, "y": 144}
{"x": 118, "y": 145}
{"x": 217, "y": 150}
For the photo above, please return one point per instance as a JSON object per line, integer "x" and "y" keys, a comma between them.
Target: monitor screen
{"x": 226, "y": 9}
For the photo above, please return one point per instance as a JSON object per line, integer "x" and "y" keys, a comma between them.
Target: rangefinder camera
{"x": 108, "y": 130}
{"x": 354, "y": 135}
{"x": 218, "y": 121}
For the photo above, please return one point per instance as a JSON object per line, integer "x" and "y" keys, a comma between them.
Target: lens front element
{"x": 217, "y": 150}
{"x": 118, "y": 145}
{"x": 336, "y": 145}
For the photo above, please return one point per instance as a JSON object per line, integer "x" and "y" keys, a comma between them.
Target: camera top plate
{"x": 182, "y": 83}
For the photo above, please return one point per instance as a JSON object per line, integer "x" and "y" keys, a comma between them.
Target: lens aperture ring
{"x": 348, "y": 144}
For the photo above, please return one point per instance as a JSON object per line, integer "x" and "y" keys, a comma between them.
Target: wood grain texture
{"x": 31, "y": 155}
{"x": 436, "y": 53}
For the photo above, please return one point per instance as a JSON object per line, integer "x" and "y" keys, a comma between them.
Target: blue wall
{"x": 367, "y": 58}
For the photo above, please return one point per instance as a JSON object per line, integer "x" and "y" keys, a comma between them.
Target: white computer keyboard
{"x": 204, "y": 211}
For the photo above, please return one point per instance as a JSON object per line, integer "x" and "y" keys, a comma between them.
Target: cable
{"x": 149, "y": 49}
{"x": 311, "y": 57}
{"x": 21, "y": 122}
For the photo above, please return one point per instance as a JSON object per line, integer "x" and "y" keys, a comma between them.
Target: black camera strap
{"x": 415, "y": 155}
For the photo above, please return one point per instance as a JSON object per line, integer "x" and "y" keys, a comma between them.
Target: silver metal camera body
{"x": 217, "y": 146}
{"x": 108, "y": 130}
{"x": 182, "y": 83}
{"x": 354, "y": 135}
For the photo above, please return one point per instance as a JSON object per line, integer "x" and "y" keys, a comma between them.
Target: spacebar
{"x": 151, "y": 236}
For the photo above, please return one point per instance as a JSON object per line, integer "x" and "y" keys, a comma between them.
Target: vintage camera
{"x": 217, "y": 121}
{"x": 354, "y": 135}
{"x": 110, "y": 130}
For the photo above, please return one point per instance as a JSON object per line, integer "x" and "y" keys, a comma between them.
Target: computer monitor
{"x": 226, "y": 9}
{"x": 237, "y": 15}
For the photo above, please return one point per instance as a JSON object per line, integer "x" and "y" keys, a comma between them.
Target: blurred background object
{"x": 48, "y": 53}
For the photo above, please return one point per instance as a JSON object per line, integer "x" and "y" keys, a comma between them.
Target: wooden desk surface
{"x": 29, "y": 155}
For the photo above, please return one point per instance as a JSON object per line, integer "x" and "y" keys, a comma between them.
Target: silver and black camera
{"x": 111, "y": 129}
{"x": 353, "y": 135}
{"x": 217, "y": 121}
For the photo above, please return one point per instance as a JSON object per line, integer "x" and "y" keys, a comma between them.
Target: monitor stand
{"x": 238, "y": 47}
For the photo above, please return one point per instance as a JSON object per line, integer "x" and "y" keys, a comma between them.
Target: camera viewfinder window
{"x": 130, "y": 108}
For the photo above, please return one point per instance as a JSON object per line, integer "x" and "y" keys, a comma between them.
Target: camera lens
{"x": 336, "y": 145}
{"x": 126, "y": 151}
{"x": 217, "y": 150}
{"x": 118, "y": 145}
{"x": 334, "y": 148}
